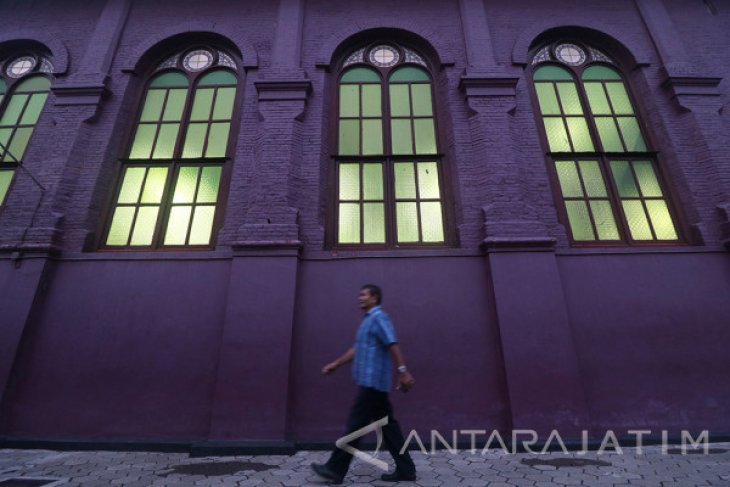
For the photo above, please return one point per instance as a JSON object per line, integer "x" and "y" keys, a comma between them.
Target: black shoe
{"x": 398, "y": 477}
{"x": 326, "y": 473}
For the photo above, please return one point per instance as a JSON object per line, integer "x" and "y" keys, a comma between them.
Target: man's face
{"x": 367, "y": 300}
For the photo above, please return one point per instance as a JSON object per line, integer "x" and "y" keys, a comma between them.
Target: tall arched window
{"x": 168, "y": 194}
{"x": 24, "y": 88}
{"x": 607, "y": 176}
{"x": 389, "y": 190}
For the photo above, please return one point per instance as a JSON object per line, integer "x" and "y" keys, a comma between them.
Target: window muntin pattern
{"x": 608, "y": 179}
{"x": 389, "y": 189}
{"x": 20, "y": 109}
{"x": 169, "y": 187}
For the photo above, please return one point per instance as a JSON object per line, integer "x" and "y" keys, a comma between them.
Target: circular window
{"x": 20, "y": 66}
{"x": 198, "y": 60}
{"x": 570, "y": 54}
{"x": 384, "y": 56}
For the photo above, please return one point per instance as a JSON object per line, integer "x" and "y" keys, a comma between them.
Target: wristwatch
{"x": 402, "y": 369}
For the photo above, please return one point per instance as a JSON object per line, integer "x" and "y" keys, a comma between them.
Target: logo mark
{"x": 344, "y": 443}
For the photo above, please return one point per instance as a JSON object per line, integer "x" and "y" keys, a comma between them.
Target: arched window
{"x": 24, "y": 88}
{"x": 607, "y": 176}
{"x": 168, "y": 194}
{"x": 389, "y": 190}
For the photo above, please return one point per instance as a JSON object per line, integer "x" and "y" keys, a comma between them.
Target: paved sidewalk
{"x": 494, "y": 469}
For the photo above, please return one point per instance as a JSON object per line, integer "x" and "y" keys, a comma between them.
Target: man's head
{"x": 370, "y": 296}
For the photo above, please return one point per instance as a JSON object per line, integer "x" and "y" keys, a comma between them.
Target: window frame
{"x": 602, "y": 156}
{"x": 387, "y": 158}
{"x": 176, "y": 162}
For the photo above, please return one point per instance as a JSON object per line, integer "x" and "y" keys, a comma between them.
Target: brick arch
{"x": 325, "y": 56}
{"x": 639, "y": 52}
{"x": 246, "y": 50}
{"x": 57, "y": 49}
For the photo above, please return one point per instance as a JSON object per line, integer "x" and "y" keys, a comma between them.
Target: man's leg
{"x": 393, "y": 436}
{"x": 359, "y": 417}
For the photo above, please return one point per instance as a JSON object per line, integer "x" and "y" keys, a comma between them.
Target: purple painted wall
{"x": 511, "y": 328}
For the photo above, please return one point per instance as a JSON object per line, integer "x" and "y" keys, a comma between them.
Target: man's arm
{"x": 342, "y": 360}
{"x": 405, "y": 379}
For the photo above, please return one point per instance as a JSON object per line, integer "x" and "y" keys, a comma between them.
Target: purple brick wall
{"x": 511, "y": 328}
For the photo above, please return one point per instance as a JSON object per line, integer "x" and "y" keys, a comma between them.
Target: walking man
{"x": 375, "y": 351}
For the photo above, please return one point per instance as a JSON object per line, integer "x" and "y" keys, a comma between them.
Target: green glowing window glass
{"x": 550, "y": 73}
{"x": 360, "y": 113}
{"x": 361, "y": 207}
{"x": 360, "y": 75}
{"x": 600, "y": 73}
{"x": 6, "y": 176}
{"x": 21, "y": 113}
{"x": 169, "y": 190}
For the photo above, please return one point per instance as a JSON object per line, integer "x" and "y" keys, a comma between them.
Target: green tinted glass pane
{"x": 202, "y": 225}
{"x": 371, "y": 104}
{"x": 422, "y": 102}
{"x": 632, "y": 134}
{"x": 592, "y": 179}
{"x": 187, "y": 179}
{"x": 349, "y": 181}
{"x": 409, "y": 73}
{"x": 349, "y": 100}
{"x": 432, "y": 226}
{"x": 619, "y": 99}
{"x": 349, "y": 223}
{"x": 547, "y": 98}
{"x": 4, "y": 137}
{"x": 360, "y": 74}
{"x": 580, "y": 222}
{"x": 166, "y": 139}
{"x": 2, "y": 96}
{"x": 153, "y": 105}
{"x": 13, "y": 109}
{"x": 605, "y": 223}
{"x": 624, "y": 179}
{"x": 194, "y": 140}
{"x": 569, "y": 99}
{"x": 219, "y": 77}
{"x": 154, "y": 185}
{"x": 636, "y": 218}
{"x": 556, "y": 135}
{"x": 373, "y": 223}
{"x": 38, "y": 83}
{"x": 142, "y": 146}
{"x": 551, "y": 73}
{"x": 661, "y": 220}
{"x": 3, "y": 87}
{"x": 647, "y": 179}
{"x": 177, "y": 225}
{"x": 144, "y": 226}
{"x": 209, "y": 182}
{"x": 224, "y": 104}
{"x": 428, "y": 180}
{"x": 132, "y": 184}
{"x": 569, "y": 182}
{"x": 579, "y": 134}
{"x": 349, "y": 137}
{"x": 406, "y": 215}
{"x": 5, "y": 178}
{"x": 170, "y": 79}
{"x": 372, "y": 137}
{"x": 372, "y": 181}
{"x": 217, "y": 140}
{"x": 121, "y": 225}
{"x": 202, "y": 104}
{"x": 400, "y": 105}
{"x": 600, "y": 72}
{"x": 405, "y": 180}
{"x": 20, "y": 142}
{"x": 609, "y": 135}
{"x": 175, "y": 105}
{"x": 425, "y": 136}
{"x": 401, "y": 136}
{"x": 597, "y": 99}
{"x": 34, "y": 108}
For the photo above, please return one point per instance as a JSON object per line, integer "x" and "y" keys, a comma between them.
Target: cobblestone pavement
{"x": 652, "y": 468}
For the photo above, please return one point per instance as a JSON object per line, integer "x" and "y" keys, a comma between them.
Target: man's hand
{"x": 329, "y": 368}
{"x": 405, "y": 382}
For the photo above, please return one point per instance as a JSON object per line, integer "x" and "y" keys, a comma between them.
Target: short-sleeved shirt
{"x": 372, "y": 366}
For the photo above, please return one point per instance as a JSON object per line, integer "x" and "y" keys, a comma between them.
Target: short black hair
{"x": 374, "y": 291}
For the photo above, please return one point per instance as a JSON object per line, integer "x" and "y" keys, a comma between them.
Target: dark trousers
{"x": 369, "y": 406}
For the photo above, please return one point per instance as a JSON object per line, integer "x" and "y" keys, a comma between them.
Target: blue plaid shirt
{"x": 372, "y": 365}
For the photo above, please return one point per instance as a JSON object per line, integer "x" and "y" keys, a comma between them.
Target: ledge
{"x": 518, "y": 243}
{"x": 79, "y": 94}
{"x": 692, "y": 85}
{"x": 283, "y": 89}
{"x": 475, "y": 84}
